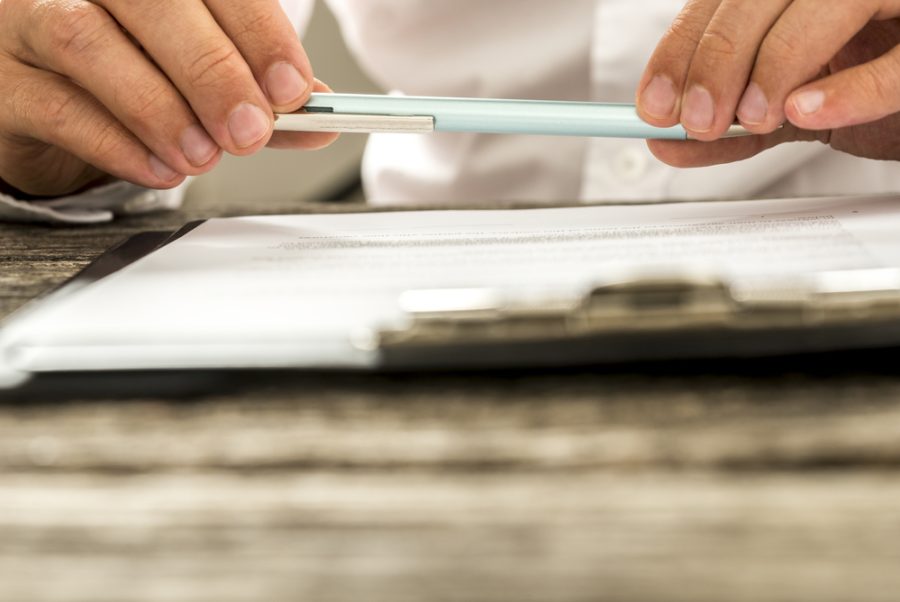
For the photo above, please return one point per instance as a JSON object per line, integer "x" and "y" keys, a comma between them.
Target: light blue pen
{"x": 363, "y": 113}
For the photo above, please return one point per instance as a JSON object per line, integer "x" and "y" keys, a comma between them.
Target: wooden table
{"x": 771, "y": 481}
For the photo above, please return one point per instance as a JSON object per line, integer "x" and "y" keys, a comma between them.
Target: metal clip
{"x": 642, "y": 305}
{"x": 304, "y": 121}
{"x": 484, "y": 316}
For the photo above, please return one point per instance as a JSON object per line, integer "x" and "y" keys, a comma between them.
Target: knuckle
{"x": 686, "y": 30}
{"x": 105, "y": 142}
{"x": 149, "y": 102}
{"x": 881, "y": 87}
{"x": 74, "y": 27}
{"x": 718, "y": 45}
{"x": 57, "y": 109}
{"x": 19, "y": 99}
{"x": 888, "y": 75}
{"x": 16, "y": 23}
{"x": 64, "y": 174}
{"x": 783, "y": 44}
{"x": 213, "y": 64}
{"x": 256, "y": 28}
{"x": 679, "y": 41}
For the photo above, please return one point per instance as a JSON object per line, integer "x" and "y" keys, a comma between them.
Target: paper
{"x": 293, "y": 290}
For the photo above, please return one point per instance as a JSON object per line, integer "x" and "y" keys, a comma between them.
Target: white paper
{"x": 293, "y": 290}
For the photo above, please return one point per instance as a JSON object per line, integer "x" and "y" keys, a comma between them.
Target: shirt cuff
{"x": 98, "y": 205}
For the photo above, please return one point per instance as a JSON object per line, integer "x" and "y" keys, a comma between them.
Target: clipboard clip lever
{"x": 643, "y": 305}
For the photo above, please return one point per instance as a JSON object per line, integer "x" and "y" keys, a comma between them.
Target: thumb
{"x": 858, "y": 95}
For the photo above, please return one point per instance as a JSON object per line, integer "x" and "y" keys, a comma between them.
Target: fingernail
{"x": 248, "y": 125}
{"x": 699, "y": 110}
{"x": 754, "y": 107}
{"x": 284, "y": 84}
{"x": 659, "y": 97}
{"x": 197, "y": 146}
{"x": 161, "y": 170}
{"x": 809, "y": 102}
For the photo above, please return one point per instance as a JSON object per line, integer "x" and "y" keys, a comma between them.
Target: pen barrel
{"x": 489, "y": 116}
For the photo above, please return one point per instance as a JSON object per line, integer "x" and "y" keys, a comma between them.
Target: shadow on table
{"x": 200, "y": 385}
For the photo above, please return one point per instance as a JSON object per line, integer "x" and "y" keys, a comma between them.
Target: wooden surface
{"x": 777, "y": 480}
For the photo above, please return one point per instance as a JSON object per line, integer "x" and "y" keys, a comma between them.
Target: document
{"x": 295, "y": 290}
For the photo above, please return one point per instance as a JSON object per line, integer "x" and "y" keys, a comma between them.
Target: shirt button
{"x": 630, "y": 165}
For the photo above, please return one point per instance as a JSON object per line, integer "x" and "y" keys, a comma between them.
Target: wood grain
{"x": 776, "y": 480}
{"x": 554, "y": 536}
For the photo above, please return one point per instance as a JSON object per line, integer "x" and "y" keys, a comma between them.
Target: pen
{"x": 368, "y": 113}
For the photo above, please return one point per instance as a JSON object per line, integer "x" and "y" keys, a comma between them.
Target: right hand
{"x": 145, "y": 91}
{"x": 788, "y": 70}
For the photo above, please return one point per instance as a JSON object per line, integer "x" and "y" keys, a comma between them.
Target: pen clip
{"x": 322, "y": 121}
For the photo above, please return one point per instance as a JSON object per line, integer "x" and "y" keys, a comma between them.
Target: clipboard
{"x": 627, "y": 314}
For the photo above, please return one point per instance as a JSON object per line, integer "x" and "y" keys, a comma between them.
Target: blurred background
{"x": 329, "y": 174}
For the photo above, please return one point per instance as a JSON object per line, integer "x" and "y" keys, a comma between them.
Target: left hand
{"x": 827, "y": 70}
{"x": 147, "y": 92}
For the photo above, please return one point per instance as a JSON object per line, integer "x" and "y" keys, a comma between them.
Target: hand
{"x": 146, "y": 91}
{"x": 829, "y": 70}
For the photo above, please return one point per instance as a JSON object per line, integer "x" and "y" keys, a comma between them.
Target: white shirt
{"x": 544, "y": 49}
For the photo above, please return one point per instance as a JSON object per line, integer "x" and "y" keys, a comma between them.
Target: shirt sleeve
{"x": 98, "y": 205}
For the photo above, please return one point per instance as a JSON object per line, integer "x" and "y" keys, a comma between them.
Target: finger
{"x": 47, "y": 107}
{"x": 308, "y": 141}
{"x": 304, "y": 140}
{"x": 862, "y": 94}
{"x": 703, "y": 154}
{"x": 269, "y": 43}
{"x": 659, "y": 93}
{"x": 722, "y": 64}
{"x": 84, "y": 43}
{"x": 808, "y": 35}
{"x": 185, "y": 41}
